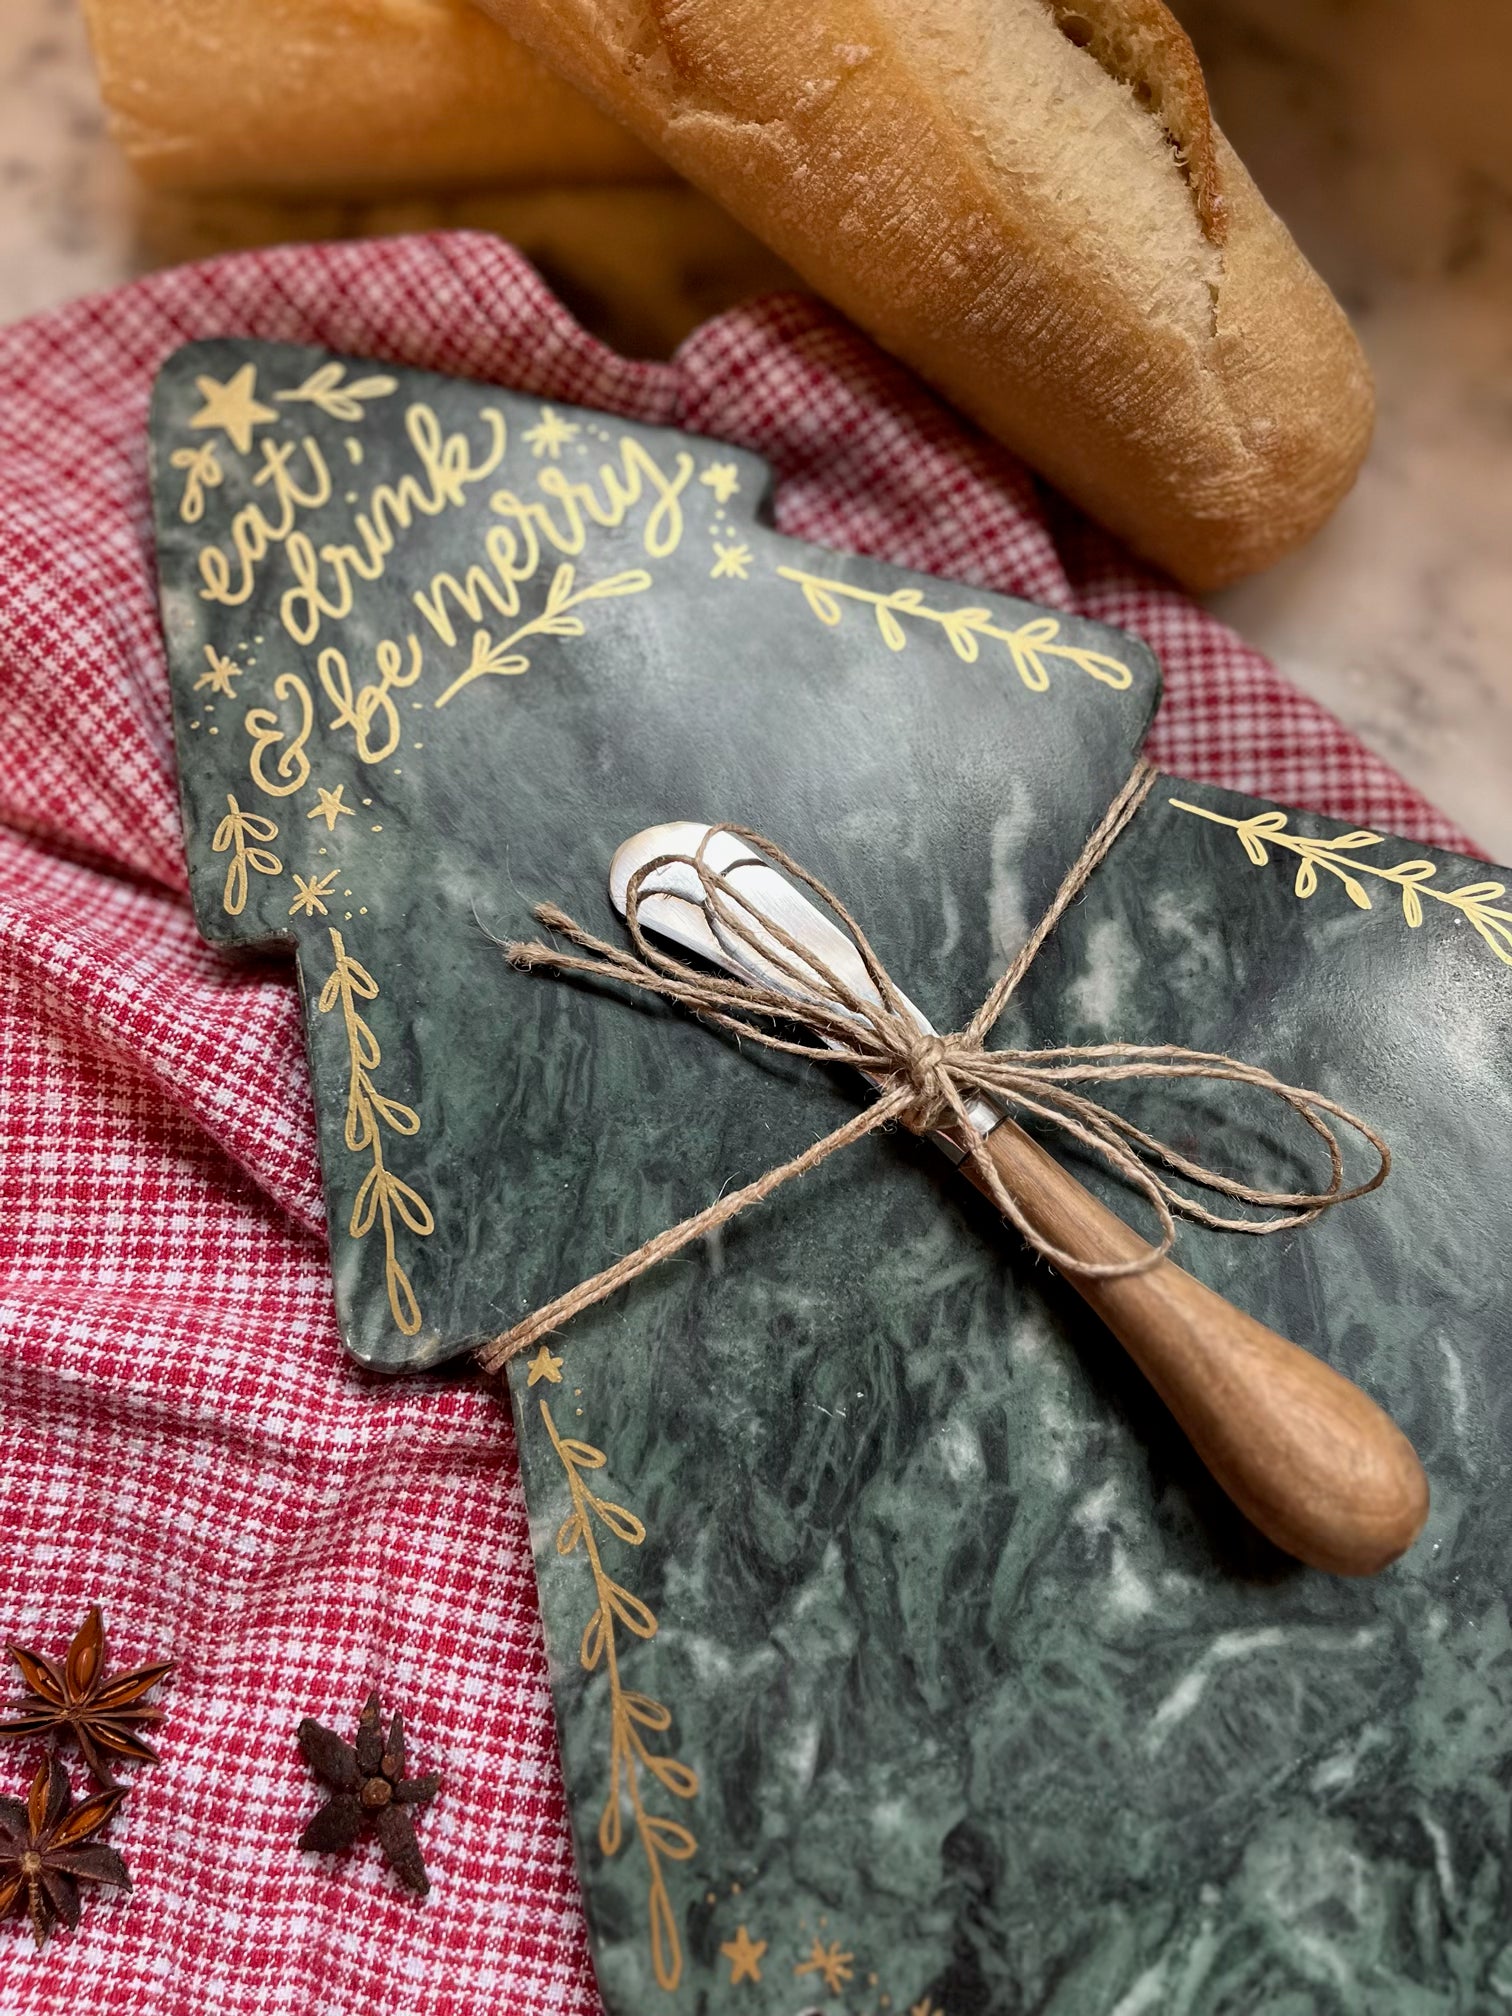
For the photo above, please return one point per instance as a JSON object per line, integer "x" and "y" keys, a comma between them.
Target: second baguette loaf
{"x": 1028, "y": 202}
{"x": 341, "y": 98}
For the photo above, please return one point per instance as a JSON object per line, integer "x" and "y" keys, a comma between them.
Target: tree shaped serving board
{"x": 904, "y": 1659}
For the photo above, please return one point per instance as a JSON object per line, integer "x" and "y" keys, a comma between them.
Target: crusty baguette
{"x": 1028, "y": 201}
{"x": 342, "y": 97}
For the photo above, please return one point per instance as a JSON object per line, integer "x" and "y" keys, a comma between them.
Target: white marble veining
{"x": 1377, "y": 127}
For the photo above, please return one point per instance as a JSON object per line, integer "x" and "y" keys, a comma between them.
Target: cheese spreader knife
{"x": 1305, "y": 1454}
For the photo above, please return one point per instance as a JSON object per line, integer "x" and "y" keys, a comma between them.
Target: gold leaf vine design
{"x": 554, "y": 620}
{"x": 235, "y": 832}
{"x": 632, "y": 1716}
{"x": 1340, "y": 858}
{"x": 325, "y": 389}
{"x": 1030, "y": 646}
{"x": 382, "y": 1195}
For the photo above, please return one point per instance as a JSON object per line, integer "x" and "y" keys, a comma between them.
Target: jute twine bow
{"x": 926, "y": 1081}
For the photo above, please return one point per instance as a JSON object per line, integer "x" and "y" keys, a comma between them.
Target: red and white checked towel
{"x": 183, "y": 1439}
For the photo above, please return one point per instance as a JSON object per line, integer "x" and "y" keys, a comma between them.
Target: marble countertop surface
{"x": 1379, "y": 134}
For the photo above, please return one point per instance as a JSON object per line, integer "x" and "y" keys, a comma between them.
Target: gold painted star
{"x": 551, "y": 434}
{"x": 330, "y": 807}
{"x": 544, "y": 1366}
{"x": 743, "y": 1952}
{"x": 311, "y": 888}
{"x": 926, "y": 2008}
{"x": 220, "y": 675}
{"x": 233, "y": 407}
{"x": 730, "y": 563}
{"x": 723, "y": 478}
{"x": 829, "y": 1962}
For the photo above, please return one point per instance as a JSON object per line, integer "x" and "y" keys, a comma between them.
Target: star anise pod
{"x": 367, "y": 1784}
{"x": 81, "y": 1698}
{"x": 45, "y": 1851}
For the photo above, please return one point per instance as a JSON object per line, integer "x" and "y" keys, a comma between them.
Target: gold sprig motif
{"x": 633, "y": 1717}
{"x": 239, "y": 831}
{"x": 325, "y": 388}
{"x": 1340, "y": 858}
{"x": 382, "y": 1196}
{"x": 554, "y": 620}
{"x": 1031, "y": 646}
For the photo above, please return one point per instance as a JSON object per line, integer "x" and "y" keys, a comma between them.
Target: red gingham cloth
{"x": 184, "y": 1440}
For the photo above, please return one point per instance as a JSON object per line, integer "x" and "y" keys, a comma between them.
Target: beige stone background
{"x": 1379, "y": 129}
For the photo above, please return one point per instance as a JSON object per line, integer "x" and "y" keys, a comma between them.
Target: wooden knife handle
{"x": 1307, "y": 1456}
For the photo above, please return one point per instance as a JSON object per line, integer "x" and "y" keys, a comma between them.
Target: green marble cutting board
{"x": 904, "y": 1658}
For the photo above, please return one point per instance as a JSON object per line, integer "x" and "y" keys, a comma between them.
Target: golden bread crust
{"x": 342, "y": 98}
{"x": 1155, "y": 345}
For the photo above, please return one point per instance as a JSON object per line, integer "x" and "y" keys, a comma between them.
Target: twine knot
{"x": 928, "y": 1081}
{"x": 925, "y": 1064}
